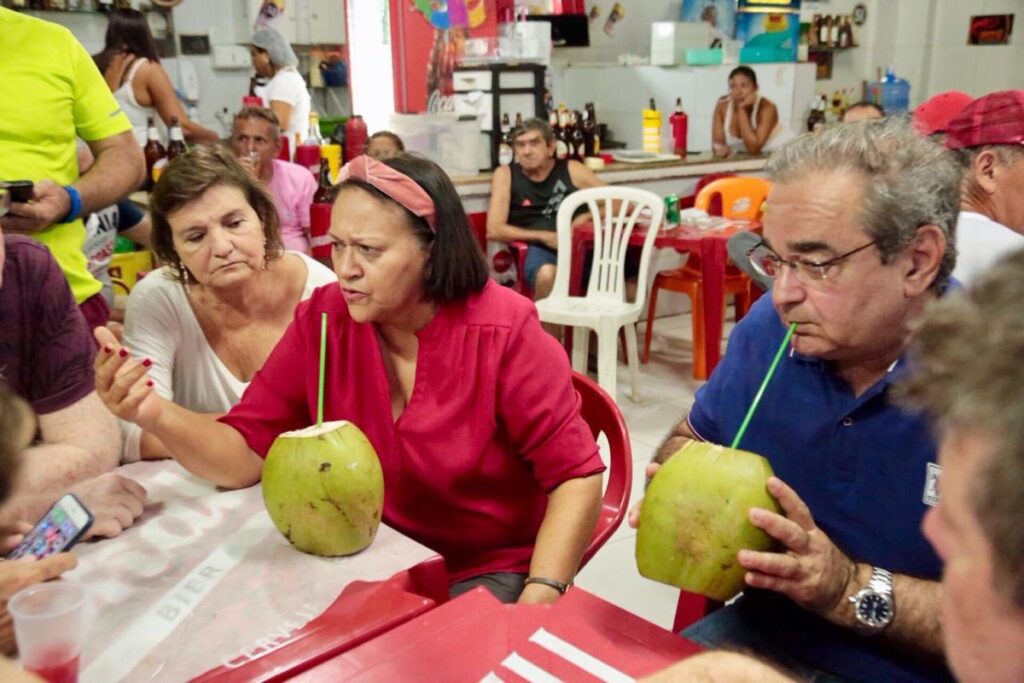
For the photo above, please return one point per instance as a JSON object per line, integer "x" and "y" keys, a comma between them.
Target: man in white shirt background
{"x": 987, "y": 137}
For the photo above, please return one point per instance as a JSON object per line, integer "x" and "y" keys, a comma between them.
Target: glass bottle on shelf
{"x": 176, "y": 145}
{"x": 154, "y": 153}
{"x": 505, "y": 142}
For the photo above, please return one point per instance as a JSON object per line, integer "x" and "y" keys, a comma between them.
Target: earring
{"x": 184, "y": 275}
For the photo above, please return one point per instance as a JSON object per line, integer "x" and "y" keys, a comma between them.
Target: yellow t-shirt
{"x": 50, "y": 93}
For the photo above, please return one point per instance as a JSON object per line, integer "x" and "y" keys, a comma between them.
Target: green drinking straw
{"x": 764, "y": 384}
{"x": 323, "y": 356}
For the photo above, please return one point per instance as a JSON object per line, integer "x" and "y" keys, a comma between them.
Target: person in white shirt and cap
{"x": 987, "y": 138}
{"x": 286, "y": 94}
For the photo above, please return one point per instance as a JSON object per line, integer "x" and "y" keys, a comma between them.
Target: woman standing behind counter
{"x": 744, "y": 121}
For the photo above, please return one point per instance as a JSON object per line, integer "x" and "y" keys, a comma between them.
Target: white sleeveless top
{"x": 137, "y": 114}
{"x": 780, "y": 135}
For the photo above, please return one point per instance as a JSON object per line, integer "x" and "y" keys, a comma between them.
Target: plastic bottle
{"x": 355, "y": 137}
{"x": 652, "y": 129}
{"x": 679, "y": 122}
{"x": 320, "y": 216}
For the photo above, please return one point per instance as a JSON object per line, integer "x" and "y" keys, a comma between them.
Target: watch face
{"x": 874, "y": 609}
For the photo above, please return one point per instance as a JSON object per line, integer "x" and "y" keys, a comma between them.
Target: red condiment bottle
{"x": 679, "y": 122}
{"x": 355, "y": 137}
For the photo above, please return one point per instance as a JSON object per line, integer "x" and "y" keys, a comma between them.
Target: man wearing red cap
{"x": 987, "y": 137}
{"x": 934, "y": 114}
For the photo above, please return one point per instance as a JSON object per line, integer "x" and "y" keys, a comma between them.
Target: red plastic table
{"x": 474, "y": 638}
{"x": 710, "y": 244}
{"x": 364, "y": 610}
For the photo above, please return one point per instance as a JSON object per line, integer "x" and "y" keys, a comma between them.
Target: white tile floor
{"x": 666, "y": 393}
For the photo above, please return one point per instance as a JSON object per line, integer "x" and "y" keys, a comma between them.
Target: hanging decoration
{"x": 446, "y": 14}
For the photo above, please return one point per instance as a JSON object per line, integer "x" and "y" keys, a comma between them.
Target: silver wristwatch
{"x": 874, "y": 605}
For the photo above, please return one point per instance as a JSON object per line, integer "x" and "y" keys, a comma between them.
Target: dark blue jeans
{"x": 731, "y": 629}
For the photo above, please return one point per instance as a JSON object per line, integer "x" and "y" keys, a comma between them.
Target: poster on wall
{"x": 990, "y": 29}
{"x": 779, "y": 33}
{"x": 769, "y": 5}
{"x": 719, "y": 14}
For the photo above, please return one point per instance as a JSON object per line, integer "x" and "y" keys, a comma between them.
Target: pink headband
{"x": 394, "y": 184}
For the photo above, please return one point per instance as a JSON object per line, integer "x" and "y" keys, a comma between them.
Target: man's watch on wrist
{"x": 873, "y": 605}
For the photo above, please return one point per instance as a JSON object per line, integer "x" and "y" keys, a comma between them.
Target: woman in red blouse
{"x": 468, "y": 402}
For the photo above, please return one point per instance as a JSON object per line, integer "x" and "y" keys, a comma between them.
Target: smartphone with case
{"x": 61, "y": 527}
{"x": 20, "y": 190}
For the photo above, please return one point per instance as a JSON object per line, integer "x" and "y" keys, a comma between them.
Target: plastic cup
{"x": 49, "y": 625}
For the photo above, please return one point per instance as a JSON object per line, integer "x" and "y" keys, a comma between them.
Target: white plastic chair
{"x": 604, "y": 309}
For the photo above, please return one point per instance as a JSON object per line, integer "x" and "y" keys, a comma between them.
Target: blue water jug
{"x": 893, "y": 93}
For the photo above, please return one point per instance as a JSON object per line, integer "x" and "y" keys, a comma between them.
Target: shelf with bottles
{"x": 66, "y": 6}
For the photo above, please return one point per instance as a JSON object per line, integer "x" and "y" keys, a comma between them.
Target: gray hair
{"x": 911, "y": 181}
{"x": 540, "y": 125}
{"x": 276, "y": 47}
{"x": 967, "y": 376}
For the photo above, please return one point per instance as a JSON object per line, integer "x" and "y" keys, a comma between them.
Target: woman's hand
{"x": 122, "y": 382}
{"x": 11, "y": 534}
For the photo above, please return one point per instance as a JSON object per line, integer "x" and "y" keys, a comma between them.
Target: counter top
{"x": 619, "y": 173}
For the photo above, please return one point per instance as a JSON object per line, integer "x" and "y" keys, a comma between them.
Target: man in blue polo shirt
{"x": 858, "y": 238}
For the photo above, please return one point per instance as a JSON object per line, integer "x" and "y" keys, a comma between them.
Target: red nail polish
{"x": 108, "y": 348}
{"x": 146, "y": 363}
{"x": 122, "y": 353}
{"x": 149, "y": 382}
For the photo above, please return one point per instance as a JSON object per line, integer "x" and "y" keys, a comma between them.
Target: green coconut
{"x": 693, "y": 519}
{"x": 324, "y": 488}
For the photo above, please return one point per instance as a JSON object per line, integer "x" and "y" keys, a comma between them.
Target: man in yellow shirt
{"x": 52, "y": 93}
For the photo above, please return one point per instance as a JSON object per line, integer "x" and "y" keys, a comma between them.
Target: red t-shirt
{"x": 493, "y": 423}
{"x": 46, "y": 350}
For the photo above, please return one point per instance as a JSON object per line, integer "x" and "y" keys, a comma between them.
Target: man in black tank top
{"x": 525, "y": 196}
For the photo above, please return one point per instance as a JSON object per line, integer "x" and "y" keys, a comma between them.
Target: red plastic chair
{"x": 603, "y": 416}
{"x": 518, "y": 250}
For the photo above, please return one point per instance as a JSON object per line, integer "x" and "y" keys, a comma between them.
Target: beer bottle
{"x": 592, "y": 116}
{"x": 519, "y": 119}
{"x": 589, "y": 130}
{"x": 505, "y": 142}
{"x": 324, "y": 185}
{"x": 155, "y": 155}
{"x": 176, "y": 144}
{"x": 577, "y": 140}
{"x": 562, "y": 136}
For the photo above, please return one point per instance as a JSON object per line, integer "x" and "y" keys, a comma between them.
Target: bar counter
{"x": 676, "y": 176}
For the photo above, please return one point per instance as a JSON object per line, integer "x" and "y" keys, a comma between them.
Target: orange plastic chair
{"x": 740, "y": 198}
{"x": 603, "y": 416}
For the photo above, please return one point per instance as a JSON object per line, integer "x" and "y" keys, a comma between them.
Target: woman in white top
{"x": 131, "y": 66}
{"x": 207, "y": 320}
{"x": 744, "y": 121}
{"x": 286, "y": 94}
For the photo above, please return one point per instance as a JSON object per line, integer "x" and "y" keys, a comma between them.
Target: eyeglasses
{"x": 769, "y": 264}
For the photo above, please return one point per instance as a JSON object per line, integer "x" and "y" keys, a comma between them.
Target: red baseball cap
{"x": 995, "y": 119}
{"x": 934, "y": 114}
